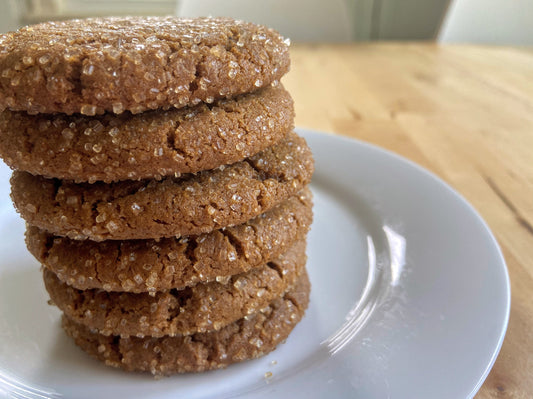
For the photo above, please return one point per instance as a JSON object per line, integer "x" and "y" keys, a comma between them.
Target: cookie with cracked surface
{"x": 156, "y": 265}
{"x": 201, "y": 308}
{"x": 191, "y": 204}
{"x": 148, "y": 145}
{"x": 135, "y": 63}
{"x": 245, "y": 339}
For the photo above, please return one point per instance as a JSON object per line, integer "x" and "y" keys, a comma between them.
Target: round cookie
{"x": 201, "y": 308}
{"x": 192, "y": 204}
{"x": 135, "y": 63}
{"x": 148, "y": 145}
{"x": 150, "y": 265}
{"x": 245, "y": 339}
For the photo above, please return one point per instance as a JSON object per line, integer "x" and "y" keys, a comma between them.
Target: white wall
{"x": 300, "y": 20}
{"x": 10, "y": 12}
{"x": 489, "y": 21}
{"x": 332, "y": 20}
{"x": 408, "y": 19}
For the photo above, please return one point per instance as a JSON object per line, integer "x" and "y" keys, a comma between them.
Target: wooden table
{"x": 463, "y": 112}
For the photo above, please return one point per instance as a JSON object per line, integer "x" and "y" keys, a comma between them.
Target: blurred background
{"x": 459, "y": 21}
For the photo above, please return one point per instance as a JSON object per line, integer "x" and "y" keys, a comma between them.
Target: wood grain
{"x": 465, "y": 113}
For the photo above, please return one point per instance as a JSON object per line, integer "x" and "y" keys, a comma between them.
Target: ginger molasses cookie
{"x": 201, "y": 308}
{"x": 147, "y": 145}
{"x": 191, "y": 204}
{"x": 156, "y": 265}
{"x": 135, "y": 63}
{"x": 245, "y": 339}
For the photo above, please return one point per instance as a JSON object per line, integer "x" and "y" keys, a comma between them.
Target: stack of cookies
{"x": 163, "y": 188}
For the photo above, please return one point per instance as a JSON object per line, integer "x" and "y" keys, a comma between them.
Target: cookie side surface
{"x": 150, "y": 265}
{"x": 135, "y": 63}
{"x": 201, "y": 308}
{"x": 148, "y": 145}
{"x": 242, "y": 340}
{"x": 193, "y": 204}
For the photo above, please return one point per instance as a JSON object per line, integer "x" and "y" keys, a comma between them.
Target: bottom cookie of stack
{"x": 247, "y": 338}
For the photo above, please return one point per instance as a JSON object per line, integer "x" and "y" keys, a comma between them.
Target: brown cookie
{"x": 245, "y": 339}
{"x": 201, "y": 308}
{"x": 135, "y": 63}
{"x": 192, "y": 204}
{"x": 148, "y": 145}
{"x": 156, "y": 265}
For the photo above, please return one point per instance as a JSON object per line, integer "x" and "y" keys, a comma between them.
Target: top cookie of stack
{"x": 212, "y": 81}
{"x": 135, "y": 64}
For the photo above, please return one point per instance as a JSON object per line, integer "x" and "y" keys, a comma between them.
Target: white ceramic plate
{"x": 410, "y": 299}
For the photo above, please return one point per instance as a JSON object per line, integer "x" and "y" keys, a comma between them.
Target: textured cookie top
{"x": 135, "y": 63}
{"x": 192, "y": 204}
{"x": 156, "y": 265}
{"x": 244, "y": 339}
{"x": 147, "y": 145}
{"x": 204, "y": 307}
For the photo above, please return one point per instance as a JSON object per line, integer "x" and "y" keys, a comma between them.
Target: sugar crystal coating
{"x": 162, "y": 143}
{"x": 194, "y": 309}
{"x": 190, "y": 204}
{"x": 135, "y": 63}
{"x": 177, "y": 263}
{"x": 247, "y": 338}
